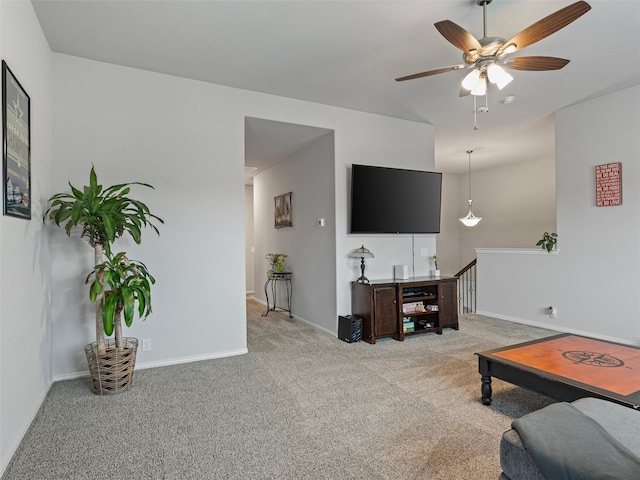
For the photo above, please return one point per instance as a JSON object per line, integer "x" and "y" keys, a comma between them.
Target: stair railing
{"x": 467, "y": 288}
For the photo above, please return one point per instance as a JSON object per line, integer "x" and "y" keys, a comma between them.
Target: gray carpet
{"x": 301, "y": 405}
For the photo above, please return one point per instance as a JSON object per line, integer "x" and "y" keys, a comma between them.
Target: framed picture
{"x": 282, "y": 211}
{"x": 609, "y": 184}
{"x": 16, "y": 154}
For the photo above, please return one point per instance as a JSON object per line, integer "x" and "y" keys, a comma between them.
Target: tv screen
{"x": 393, "y": 200}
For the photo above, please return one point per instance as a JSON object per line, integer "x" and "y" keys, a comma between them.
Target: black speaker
{"x": 350, "y": 328}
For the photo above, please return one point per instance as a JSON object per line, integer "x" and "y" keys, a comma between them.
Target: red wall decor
{"x": 609, "y": 184}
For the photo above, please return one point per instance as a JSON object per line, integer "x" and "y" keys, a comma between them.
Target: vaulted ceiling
{"x": 348, "y": 53}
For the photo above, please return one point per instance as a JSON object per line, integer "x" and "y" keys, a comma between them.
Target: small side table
{"x": 272, "y": 281}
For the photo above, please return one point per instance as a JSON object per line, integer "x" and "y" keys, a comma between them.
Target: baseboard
{"x": 558, "y": 328}
{"x": 11, "y": 449}
{"x": 193, "y": 358}
{"x": 162, "y": 363}
{"x": 322, "y": 329}
{"x": 304, "y": 320}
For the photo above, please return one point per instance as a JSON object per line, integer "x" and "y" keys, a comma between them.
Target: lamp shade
{"x": 481, "y": 86}
{"x": 498, "y": 76}
{"x": 361, "y": 253}
{"x": 471, "y": 80}
{"x": 470, "y": 220}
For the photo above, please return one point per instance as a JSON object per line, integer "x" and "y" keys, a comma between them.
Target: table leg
{"x": 486, "y": 389}
{"x": 289, "y": 293}
{"x": 266, "y": 295}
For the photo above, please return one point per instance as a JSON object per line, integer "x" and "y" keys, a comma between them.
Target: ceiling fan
{"x": 488, "y": 55}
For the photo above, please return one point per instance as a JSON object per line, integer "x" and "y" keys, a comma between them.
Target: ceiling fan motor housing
{"x": 490, "y": 46}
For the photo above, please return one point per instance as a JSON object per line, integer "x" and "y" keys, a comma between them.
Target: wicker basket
{"x": 112, "y": 372}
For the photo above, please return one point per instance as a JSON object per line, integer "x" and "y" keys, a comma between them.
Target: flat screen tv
{"x": 393, "y": 200}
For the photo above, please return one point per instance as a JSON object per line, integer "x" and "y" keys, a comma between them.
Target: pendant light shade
{"x": 470, "y": 220}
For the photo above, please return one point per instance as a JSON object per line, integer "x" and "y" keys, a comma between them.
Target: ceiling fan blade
{"x": 545, "y": 27}
{"x": 458, "y": 36}
{"x": 536, "y": 64}
{"x": 431, "y": 72}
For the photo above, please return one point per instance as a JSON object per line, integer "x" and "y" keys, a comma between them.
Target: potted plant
{"x": 276, "y": 263}
{"x": 548, "y": 241}
{"x": 436, "y": 270}
{"x": 106, "y": 214}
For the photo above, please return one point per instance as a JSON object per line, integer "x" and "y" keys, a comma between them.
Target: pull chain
{"x": 475, "y": 118}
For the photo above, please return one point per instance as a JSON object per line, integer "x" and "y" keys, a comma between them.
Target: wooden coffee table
{"x": 566, "y": 367}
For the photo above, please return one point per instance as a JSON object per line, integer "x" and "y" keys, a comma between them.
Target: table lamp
{"x": 362, "y": 253}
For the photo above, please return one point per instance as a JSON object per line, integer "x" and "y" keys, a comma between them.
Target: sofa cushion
{"x": 622, "y": 423}
{"x": 566, "y": 444}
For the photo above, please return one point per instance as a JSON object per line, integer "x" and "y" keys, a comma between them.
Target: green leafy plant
{"x": 276, "y": 262}
{"x": 548, "y": 241}
{"x": 434, "y": 259}
{"x": 124, "y": 283}
{"x": 104, "y": 214}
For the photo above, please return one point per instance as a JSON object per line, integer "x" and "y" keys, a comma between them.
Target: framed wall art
{"x": 609, "y": 184}
{"x": 16, "y": 154}
{"x": 282, "y": 211}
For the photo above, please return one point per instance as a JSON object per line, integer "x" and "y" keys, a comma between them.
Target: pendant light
{"x": 470, "y": 220}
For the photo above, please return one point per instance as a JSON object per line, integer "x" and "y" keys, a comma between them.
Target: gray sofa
{"x": 587, "y": 439}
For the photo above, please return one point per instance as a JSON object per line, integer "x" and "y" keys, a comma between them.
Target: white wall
{"x": 594, "y": 280}
{"x": 25, "y": 324}
{"x": 517, "y": 204}
{"x": 186, "y": 138}
{"x": 249, "y": 242}
{"x": 600, "y": 246}
{"x": 448, "y": 240}
{"x": 518, "y": 284}
{"x": 310, "y": 250}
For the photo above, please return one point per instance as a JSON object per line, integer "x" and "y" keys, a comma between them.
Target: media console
{"x": 398, "y": 308}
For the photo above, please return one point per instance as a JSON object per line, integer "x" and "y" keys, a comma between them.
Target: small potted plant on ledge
{"x": 119, "y": 283}
{"x": 548, "y": 241}
{"x": 434, "y": 261}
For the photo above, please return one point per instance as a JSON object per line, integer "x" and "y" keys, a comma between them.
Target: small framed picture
{"x": 282, "y": 210}
{"x": 16, "y": 154}
{"x": 609, "y": 184}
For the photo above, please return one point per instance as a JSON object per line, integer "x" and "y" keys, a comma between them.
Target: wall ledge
{"x": 515, "y": 251}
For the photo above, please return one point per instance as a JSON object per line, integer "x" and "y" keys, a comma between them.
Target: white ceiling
{"x": 348, "y": 53}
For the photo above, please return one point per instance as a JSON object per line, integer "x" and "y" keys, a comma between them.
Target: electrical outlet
{"x": 146, "y": 344}
{"x": 424, "y": 252}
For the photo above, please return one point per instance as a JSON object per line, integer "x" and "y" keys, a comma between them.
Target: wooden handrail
{"x": 466, "y": 288}
{"x": 471, "y": 264}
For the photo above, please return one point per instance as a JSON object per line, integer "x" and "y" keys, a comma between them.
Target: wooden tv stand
{"x": 399, "y": 308}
